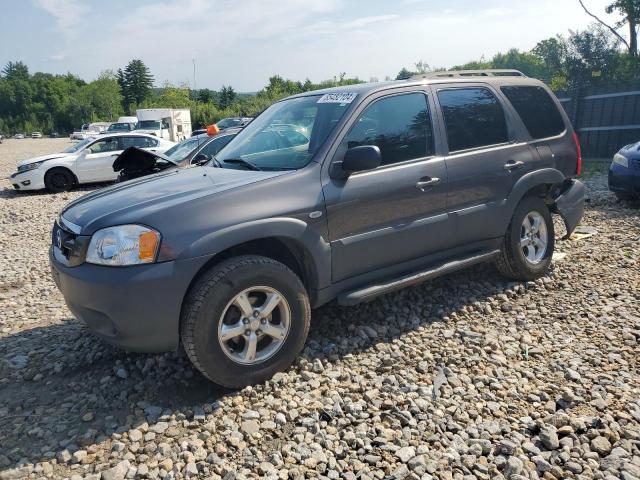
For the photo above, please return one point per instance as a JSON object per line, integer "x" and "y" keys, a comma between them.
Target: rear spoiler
{"x": 138, "y": 159}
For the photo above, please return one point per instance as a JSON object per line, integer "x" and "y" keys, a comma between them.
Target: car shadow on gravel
{"x": 12, "y": 194}
{"x": 62, "y": 388}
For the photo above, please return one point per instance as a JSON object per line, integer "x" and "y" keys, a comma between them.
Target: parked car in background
{"x": 54, "y": 135}
{"x": 624, "y": 173}
{"x": 394, "y": 183}
{"x": 90, "y": 160}
{"x": 232, "y": 122}
{"x": 135, "y": 162}
{"x": 1, "y": 138}
{"x": 36, "y": 135}
{"x": 124, "y": 124}
{"x": 19, "y": 136}
{"x": 200, "y": 149}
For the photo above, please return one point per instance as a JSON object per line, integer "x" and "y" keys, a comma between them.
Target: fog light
{"x": 26, "y": 183}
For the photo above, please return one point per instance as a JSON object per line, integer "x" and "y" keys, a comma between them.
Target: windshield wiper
{"x": 244, "y": 163}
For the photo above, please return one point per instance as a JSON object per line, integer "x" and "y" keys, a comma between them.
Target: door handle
{"x": 513, "y": 165}
{"x": 427, "y": 182}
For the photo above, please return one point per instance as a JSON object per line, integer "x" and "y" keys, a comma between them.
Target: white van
{"x": 172, "y": 124}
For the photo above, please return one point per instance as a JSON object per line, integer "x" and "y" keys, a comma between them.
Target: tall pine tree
{"x": 135, "y": 82}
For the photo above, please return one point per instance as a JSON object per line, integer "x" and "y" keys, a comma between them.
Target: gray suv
{"x": 345, "y": 193}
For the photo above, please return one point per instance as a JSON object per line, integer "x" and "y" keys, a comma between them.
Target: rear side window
{"x": 473, "y": 118}
{"x": 537, "y": 110}
{"x": 399, "y": 125}
{"x": 140, "y": 142}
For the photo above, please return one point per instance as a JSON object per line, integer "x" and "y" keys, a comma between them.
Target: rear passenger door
{"x": 396, "y": 212}
{"x": 485, "y": 159}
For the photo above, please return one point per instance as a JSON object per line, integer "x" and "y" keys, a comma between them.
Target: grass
{"x": 595, "y": 166}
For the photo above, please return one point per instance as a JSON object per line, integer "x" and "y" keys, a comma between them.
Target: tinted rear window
{"x": 537, "y": 110}
{"x": 473, "y": 118}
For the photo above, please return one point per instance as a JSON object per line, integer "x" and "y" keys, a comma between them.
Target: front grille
{"x": 63, "y": 240}
{"x": 71, "y": 246}
{"x": 635, "y": 164}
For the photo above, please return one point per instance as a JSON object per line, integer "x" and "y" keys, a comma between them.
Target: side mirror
{"x": 200, "y": 159}
{"x": 359, "y": 159}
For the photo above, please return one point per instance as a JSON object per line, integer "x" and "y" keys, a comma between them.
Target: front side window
{"x": 536, "y": 109}
{"x": 399, "y": 125}
{"x": 106, "y": 145}
{"x": 264, "y": 141}
{"x": 473, "y": 118}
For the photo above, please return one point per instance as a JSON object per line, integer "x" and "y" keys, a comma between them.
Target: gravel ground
{"x": 465, "y": 377}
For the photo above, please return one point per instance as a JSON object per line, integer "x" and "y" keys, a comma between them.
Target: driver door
{"x": 95, "y": 163}
{"x": 397, "y": 212}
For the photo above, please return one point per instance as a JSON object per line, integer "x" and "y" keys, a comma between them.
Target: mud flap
{"x": 570, "y": 206}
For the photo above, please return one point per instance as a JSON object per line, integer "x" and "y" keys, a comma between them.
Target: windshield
{"x": 148, "y": 125}
{"x": 228, "y": 122}
{"x": 285, "y": 136}
{"x": 118, "y": 127}
{"x": 180, "y": 151}
{"x": 78, "y": 146}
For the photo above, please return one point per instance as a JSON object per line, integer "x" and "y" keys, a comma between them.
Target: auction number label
{"x": 337, "y": 98}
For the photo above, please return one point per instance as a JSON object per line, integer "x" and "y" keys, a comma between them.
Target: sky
{"x": 244, "y": 42}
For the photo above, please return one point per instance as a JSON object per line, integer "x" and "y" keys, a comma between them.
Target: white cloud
{"x": 68, "y": 14}
{"x": 242, "y": 43}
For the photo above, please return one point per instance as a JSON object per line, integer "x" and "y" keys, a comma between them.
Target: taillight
{"x": 578, "y": 154}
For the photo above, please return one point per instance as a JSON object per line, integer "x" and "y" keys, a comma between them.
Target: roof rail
{"x": 493, "y": 72}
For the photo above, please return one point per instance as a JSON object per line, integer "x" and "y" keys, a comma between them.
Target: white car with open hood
{"x": 90, "y": 160}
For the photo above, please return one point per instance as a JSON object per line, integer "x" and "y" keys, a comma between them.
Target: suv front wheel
{"x": 528, "y": 245}
{"x": 244, "y": 320}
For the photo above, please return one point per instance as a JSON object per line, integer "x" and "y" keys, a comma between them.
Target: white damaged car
{"x": 90, "y": 160}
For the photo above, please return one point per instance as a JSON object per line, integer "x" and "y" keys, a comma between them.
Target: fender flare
{"x": 295, "y": 230}
{"x": 545, "y": 176}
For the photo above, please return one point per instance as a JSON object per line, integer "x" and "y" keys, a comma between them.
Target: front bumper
{"x": 624, "y": 180}
{"x": 570, "y": 205}
{"x": 136, "y": 308}
{"x": 31, "y": 180}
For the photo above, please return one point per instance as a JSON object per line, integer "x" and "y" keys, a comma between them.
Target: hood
{"x": 632, "y": 150}
{"x": 138, "y": 159}
{"x": 137, "y": 199}
{"x": 42, "y": 158}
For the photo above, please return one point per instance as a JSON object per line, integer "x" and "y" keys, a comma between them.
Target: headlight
{"x": 621, "y": 160}
{"x": 29, "y": 166}
{"x": 123, "y": 245}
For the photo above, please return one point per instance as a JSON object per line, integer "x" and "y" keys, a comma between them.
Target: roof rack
{"x": 494, "y": 72}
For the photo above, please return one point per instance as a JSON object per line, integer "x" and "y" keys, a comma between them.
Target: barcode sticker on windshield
{"x": 337, "y": 98}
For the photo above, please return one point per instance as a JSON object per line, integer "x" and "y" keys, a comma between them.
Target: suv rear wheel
{"x": 244, "y": 320}
{"x": 528, "y": 245}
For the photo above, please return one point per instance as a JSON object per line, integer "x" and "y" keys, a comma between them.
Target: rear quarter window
{"x": 536, "y": 109}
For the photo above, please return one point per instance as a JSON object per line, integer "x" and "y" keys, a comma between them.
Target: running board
{"x": 371, "y": 291}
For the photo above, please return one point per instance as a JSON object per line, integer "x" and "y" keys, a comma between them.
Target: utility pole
{"x": 195, "y": 91}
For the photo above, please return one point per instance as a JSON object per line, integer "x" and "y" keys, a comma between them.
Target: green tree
{"x": 135, "y": 83}
{"x": 226, "y": 97}
{"x": 630, "y": 12}
{"x": 404, "y": 74}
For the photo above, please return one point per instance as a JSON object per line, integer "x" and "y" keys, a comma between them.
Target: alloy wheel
{"x": 254, "y": 325}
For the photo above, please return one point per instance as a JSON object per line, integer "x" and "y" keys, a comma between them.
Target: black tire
{"x": 206, "y": 302}
{"x": 512, "y": 262}
{"x": 59, "y": 180}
